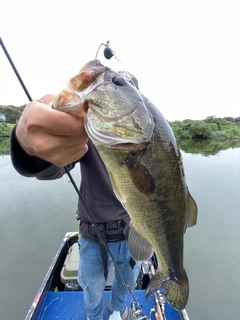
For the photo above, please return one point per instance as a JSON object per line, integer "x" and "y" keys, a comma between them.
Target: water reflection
{"x": 194, "y": 146}
{"x": 207, "y": 147}
{"x": 45, "y": 210}
{"x": 4, "y": 146}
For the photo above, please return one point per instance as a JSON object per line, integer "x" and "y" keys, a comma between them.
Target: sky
{"x": 185, "y": 54}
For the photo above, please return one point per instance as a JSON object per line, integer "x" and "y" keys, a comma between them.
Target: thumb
{"x": 47, "y": 99}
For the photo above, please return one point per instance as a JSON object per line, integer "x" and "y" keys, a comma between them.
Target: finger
{"x": 52, "y": 121}
{"x": 70, "y": 155}
{"x": 48, "y": 145}
{"x": 47, "y": 99}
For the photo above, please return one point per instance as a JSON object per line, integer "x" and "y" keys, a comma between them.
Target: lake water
{"x": 35, "y": 215}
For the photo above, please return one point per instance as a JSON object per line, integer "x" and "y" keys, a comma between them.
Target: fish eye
{"x": 118, "y": 81}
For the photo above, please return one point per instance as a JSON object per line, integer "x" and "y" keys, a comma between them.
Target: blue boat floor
{"x": 70, "y": 306}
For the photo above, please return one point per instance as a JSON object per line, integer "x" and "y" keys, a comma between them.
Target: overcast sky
{"x": 185, "y": 54}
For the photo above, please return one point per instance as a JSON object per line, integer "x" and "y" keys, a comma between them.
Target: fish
{"x": 145, "y": 167}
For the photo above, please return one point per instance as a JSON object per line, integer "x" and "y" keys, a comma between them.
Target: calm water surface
{"x": 35, "y": 215}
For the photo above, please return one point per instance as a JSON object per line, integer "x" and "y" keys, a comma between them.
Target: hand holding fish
{"x": 51, "y": 135}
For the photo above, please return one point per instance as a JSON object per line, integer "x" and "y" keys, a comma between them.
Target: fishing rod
{"x": 159, "y": 300}
{"x": 15, "y": 70}
{"x": 108, "y": 53}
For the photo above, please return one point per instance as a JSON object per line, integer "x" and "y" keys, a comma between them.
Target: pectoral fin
{"x": 139, "y": 248}
{"x": 192, "y": 211}
{"x": 140, "y": 175}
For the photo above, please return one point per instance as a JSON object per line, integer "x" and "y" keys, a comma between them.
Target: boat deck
{"x": 69, "y": 306}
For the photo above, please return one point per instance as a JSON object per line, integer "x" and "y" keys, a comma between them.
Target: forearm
{"x": 30, "y": 166}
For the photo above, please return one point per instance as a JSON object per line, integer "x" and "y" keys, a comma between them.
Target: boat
{"x": 60, "y": 296}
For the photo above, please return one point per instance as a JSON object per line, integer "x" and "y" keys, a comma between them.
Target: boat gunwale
{"x": 45, "y": 285}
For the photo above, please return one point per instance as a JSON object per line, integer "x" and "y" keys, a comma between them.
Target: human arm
{"x": 45, "y": 140}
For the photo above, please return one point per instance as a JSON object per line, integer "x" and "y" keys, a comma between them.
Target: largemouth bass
{"x": 145, "y": 166}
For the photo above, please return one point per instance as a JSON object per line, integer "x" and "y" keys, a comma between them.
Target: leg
{"x": 119, "y": 290}
{"x": 91, "y": 278}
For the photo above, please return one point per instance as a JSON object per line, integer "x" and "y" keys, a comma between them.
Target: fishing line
{"x": 108, "y": 54}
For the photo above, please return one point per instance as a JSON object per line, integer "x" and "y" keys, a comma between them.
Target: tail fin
{"x": 175, "y": 290}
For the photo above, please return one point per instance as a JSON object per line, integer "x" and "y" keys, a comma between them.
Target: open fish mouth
{"x": 127, "y": 145}
{"x": 110, "y": 140}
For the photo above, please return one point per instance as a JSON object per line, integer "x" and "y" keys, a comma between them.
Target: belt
{"x": 111, "y": 225}
{"x": 102, "y": 227}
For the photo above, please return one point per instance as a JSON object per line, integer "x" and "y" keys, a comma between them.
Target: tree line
{"x": 12, "y": 115}
{"x": 209, "y": 128}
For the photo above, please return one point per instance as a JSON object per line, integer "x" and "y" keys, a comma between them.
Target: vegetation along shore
{"x": 209, "y": 128}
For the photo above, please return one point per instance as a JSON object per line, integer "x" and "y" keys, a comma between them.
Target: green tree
{"x": 11, "y": 113}
{"x": 5, "y": 129}
{"x": 200, "y": 129}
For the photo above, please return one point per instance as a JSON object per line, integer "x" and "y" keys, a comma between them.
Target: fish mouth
{"x": 109, "y": 140}
{"x": 126, "y": 145}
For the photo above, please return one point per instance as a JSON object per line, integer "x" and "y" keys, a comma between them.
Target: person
{"x": 44, "y": 142}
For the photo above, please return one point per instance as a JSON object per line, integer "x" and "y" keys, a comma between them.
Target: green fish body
{"x": 146, "y": 169}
